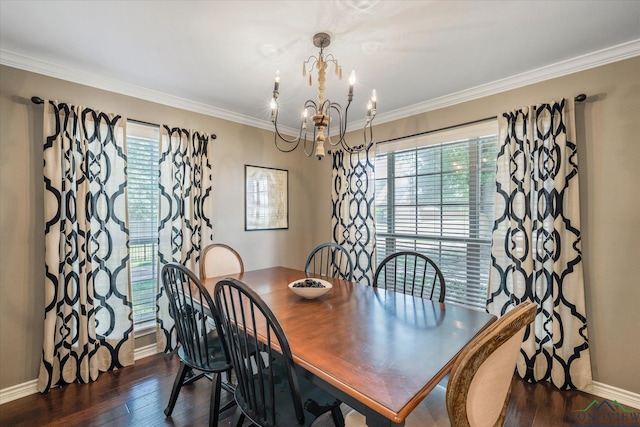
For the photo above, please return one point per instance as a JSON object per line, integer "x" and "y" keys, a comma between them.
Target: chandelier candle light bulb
{"x": 322, "y": 109}
{"x": 352, "y": 81}
{"x": 274, "y": 99}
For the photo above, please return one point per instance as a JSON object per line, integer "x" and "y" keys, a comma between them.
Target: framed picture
{"x": 266, "y": 193}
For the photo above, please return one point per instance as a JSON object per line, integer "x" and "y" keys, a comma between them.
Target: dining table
{"x": 379, "y": 351}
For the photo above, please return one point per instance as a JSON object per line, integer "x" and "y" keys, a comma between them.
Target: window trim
{"x": 476, "y": 271}
{"x": 147, "y": 131}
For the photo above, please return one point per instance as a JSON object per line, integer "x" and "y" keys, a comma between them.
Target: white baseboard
{"x": 18, "y": 391}
{"x": 30, "y": 387}
{"x": 146, "y": 351}
{"x": 625, "y": 397}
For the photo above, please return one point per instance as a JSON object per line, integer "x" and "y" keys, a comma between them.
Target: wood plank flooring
{"x": 137, "y": 396}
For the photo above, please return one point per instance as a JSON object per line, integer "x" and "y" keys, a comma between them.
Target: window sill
{"x": 146, "y": 327}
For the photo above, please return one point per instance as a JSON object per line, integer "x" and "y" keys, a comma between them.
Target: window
{"x": 142, "y": 192}
{"x": 435, "y": 195}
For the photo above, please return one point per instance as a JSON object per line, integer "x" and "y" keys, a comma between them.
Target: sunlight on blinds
{"x": 435, "y": 195}
{"x": 142, "y": 192}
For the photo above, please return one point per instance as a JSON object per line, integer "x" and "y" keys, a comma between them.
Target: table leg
{"x": 373, "y": 419}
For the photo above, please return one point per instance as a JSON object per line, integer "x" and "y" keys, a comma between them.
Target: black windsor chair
{"x": 268, "y": 390}
{"x": 411, "y": 273}
{"x": 191, "y": 305}
{"x": 330, "y": 260}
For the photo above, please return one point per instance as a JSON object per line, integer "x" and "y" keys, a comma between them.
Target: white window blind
{"x": 142, "y": 195}
{"x": 435, "y": 195}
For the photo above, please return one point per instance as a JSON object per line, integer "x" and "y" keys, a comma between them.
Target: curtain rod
{"x": 427, "y": 132}
{"x": 38, "y": 100}
{"x": 578, "y": 98}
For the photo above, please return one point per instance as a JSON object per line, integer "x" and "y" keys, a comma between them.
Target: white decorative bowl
{"x": 311, "y": 293}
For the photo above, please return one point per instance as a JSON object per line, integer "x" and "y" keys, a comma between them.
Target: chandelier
{"x": 321, "y": 111}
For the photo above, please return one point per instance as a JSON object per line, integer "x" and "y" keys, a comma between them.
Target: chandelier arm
{"x": 291, "y": 144}
{"x": 328, "y": 135}
{"x": 355, "y": 149}
{"x": 313, "y": 60}
{"x": 342, "y": 123}
{"x": 331, "y": 58}
{"x": 285, "y": 150}
{"x": 368, "y": 143}
{"x": 326, "y": 104}
{"x": 343, "y": 140}
{"x": 365, "y": 144}
{"x": 304, "y": 146}
{"x": 343, "y": 130}
{"x": 338, "y": 109}
{"x": 310, "y": 103}
{"x": 295, "y": 141}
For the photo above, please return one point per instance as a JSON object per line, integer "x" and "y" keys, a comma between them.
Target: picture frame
{"x": 266, "y": 198}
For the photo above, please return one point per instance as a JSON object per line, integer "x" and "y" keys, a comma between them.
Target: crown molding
{"x": 580, "y": 63}
{"x": 559, "y": 69}
{"x": 16, "y": 60}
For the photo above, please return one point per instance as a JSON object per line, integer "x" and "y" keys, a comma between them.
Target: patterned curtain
{"x": 353, "y": 200}
{"x": 88, "y": 311}
{"x": 536, "y": 254}
{"x": 185, "y": 212}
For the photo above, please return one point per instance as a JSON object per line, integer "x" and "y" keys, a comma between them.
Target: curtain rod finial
{"x": 37, "y": 100}
{"x": 580, "y": 98}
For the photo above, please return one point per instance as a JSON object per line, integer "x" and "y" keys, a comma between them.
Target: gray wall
{"x": 608, "y": 125}
{"x": 21, "y": 206}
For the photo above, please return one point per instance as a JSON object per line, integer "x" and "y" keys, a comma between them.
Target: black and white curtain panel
{"x": 536, "y": 249}
{"x": 88, "y": 310}
{"x": 353, "y": 199}
{"x": 185, "y": 225}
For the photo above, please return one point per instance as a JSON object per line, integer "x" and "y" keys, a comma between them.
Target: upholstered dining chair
{"x": 268, "y": 390}
{"x": 411, "y": 273}
{"x": 197, "y": 348}
{"x": 331, "y": 260}
{"x": 218, "y": 259}
{"x": 479, "y": 386}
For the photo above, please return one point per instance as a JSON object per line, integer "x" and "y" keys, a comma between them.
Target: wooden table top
{"x": 384, "y": 349}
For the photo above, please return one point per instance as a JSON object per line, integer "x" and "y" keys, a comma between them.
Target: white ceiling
{"x": 220, "y": 57}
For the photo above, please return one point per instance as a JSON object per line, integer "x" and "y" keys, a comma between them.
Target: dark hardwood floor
{"x": 137, "y": 396}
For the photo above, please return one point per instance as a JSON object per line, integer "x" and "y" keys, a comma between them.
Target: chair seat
{"x": 432, "y": 411}
{"x": 212, "y": 356}
{"x": 314, "y": 400}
